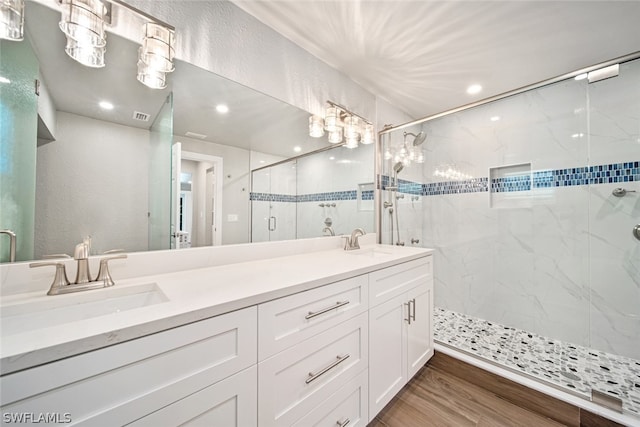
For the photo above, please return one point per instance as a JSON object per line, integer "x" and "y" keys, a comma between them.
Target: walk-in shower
{"x": 536, "y": 267}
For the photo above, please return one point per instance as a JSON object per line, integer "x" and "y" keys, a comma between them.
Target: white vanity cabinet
{"x": 119, "y": 384}
{"x": 400, "y": 328}
{"x": 312, "y": 345}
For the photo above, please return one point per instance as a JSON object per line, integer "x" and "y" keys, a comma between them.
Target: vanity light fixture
{"x": 83, "y": 22}
{"x": 156, "y": 54}
{"x": 12, "y": 19}
{"x": 369, "y": 135}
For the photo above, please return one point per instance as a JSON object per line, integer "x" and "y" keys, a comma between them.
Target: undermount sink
{"x": 371, "y": 252}
{"x": 48, "y": 311}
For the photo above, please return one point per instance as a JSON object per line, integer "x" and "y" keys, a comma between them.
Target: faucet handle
{"x": 103, "y": 273}
{"x": 347, "y": 242}
{"x": 59, "y": 281}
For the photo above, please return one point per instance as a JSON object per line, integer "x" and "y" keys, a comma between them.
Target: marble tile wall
{"x": 556, "y": 258}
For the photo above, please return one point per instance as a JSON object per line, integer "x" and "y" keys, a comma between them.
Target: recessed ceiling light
{"x": 106, "y": 105}
{"x": 577, "y": 135}
{"x": 297, "y": 149}
{"x": 473, "y": 89}
{"x": 332, "y": 158}
{"x": 581, "y": 76}
{"x": 495, "y": 118}
{"x": 222, "y": 108}
{"x": 261, "y": 161}
{"x": 4, "y": 80}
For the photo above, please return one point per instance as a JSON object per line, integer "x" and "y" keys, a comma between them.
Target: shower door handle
{"x": 272, "y": 227}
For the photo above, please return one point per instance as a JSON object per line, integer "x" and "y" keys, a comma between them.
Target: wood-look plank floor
{"x": 438, "y": 398}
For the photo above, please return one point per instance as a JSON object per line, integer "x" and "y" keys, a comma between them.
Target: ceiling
{"x": 422, "y": 55}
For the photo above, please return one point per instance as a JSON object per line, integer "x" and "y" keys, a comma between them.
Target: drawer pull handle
{"x": 339, "y": 360}
{"x": 343, "y": 423}
{"x": 313, "y": 314}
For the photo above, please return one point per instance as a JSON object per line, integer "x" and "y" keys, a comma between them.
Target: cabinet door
{"x": 387, "y": 352}
{"x": 229, "y": 403}
{"x": 420, "y": 330}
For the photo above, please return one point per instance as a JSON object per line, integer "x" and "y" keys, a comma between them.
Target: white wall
{"x": 90, "y": 176}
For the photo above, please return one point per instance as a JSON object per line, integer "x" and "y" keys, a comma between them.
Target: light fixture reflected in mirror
{"x": 316, "y": 126}
{"x": 90, "y": 56}
{"x": 151, "y": 78}
{"x": 341, "y": 124}
{"x": 12, "y": 19}
{"x": 83, "y": 23}
{"x": 156, "y": 55}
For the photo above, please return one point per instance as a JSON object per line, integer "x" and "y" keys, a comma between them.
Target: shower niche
{"x": 510, "y": 186}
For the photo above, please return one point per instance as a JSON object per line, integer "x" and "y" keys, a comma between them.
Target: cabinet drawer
{"x": 348, "y": 406}
{"x": 295, "y": 381}
{"x": 290, "y": 320}
{"x": 229, "y": 403}
{"x": 118, "y": 384}
{"x": 393, "y": 281}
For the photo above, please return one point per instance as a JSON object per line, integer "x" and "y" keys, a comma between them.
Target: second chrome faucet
{"x": 83, "y": 281}
{"x": 351, "y": 242}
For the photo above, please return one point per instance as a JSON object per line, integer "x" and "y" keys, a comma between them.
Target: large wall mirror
{"x": 161, "y": 168}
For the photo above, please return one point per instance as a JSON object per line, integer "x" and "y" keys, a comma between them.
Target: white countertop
{"x": 192, "y": 295}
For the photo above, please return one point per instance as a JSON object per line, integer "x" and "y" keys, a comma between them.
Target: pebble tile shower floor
{"x": 579, "y": 369}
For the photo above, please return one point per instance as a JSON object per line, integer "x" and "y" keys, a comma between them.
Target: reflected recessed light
{"x": 106, "y": 105}
{"x": 297, "y": 149}
{"x": 577, "y": 135}
{"x": 581, "y": 76}
{"x": 4, "y": 80}
{"x": 495, "y": 118}
{"x": 222, "y": 109}
{"x": 473, "y": 89}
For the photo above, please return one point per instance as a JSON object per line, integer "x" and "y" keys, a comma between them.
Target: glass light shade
{"x": 336, "y": 136}
{"x": 368, "y": 136}
{"x": 316, "y": 126}
{"x": 83, "y": 21}
{"x": 352, "y": 127}
{"x": 351, "y": 142}
{"x": 157, "y": 49}
{"x": 12, "y": 19}
{"x": 90, "y": 56}
{"x": 150, "y": 77}
{"x": 332, "y": 120}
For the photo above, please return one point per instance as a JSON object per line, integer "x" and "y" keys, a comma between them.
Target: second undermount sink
{"x": 373, "y": 252}
{"x": 47, "y": 311}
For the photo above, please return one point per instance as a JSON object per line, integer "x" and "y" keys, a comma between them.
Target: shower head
{"x": 417, "y": 139}
{"x": 398, "y": 167}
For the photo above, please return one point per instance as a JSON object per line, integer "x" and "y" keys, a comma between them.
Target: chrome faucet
{"x": 330, "y": 230}
{"x": 83, "y": 280}
{"x": 351, "y": 242}
{"x": 12, "y": 244}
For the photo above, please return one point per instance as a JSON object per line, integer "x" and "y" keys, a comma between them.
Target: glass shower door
{"x": 160, "y": 189}
{"x": 273, "y": 203}
{"x": 18, "y": 133}
{"x": 614, "y": 210}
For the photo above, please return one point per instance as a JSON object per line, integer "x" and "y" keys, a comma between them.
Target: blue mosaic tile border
{"x": 315, "y": 197}
{"x": 323, "y": 197}
{"x": 511, "y": 183}
{"x": 598, "y": 174}
{"x": 270, "y": 197}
